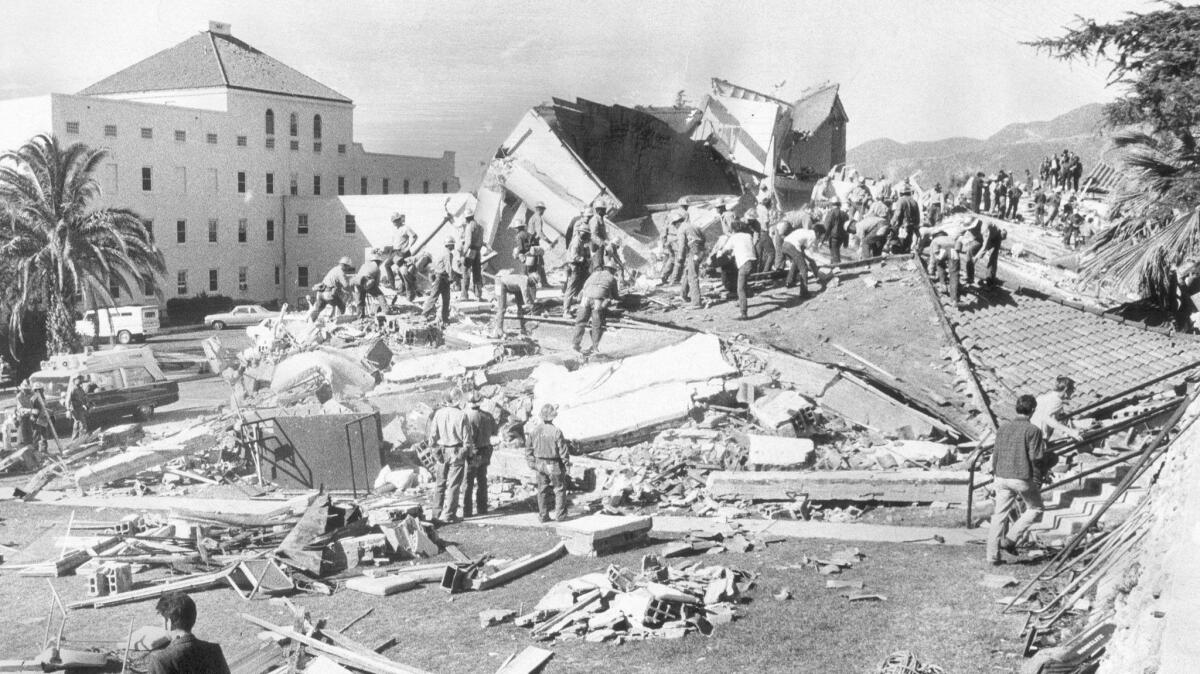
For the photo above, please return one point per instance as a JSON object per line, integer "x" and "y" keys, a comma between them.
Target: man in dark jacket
{"x": 185, "y": 654}
{"x": 1017, "y": 474}
{"x": 598, "y": 292}
{"x": 907, "y": 218}
{"x": 835, "y": 228}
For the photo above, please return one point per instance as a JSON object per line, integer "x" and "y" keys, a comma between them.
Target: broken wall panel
{"x": 640, "y": 157}
{"x": 321, "y": 451}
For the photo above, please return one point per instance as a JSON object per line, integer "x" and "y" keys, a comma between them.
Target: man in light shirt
{"x": 1050, "y": 406}
{"x": 741, "y": 245}
{"x": 795, "y": 248}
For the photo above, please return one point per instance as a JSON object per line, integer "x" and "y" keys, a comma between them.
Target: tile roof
{"x": 213, "y": 60}
{"x": 1022, "y": 340}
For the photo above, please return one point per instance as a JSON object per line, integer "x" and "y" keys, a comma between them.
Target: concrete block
{"x": 771, "y": 450}
{"x": 777, "y": 408}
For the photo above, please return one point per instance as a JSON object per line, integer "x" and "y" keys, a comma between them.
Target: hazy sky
{"x": 452, "y": 74}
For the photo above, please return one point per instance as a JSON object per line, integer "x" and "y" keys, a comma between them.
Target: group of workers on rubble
{"x": 459, "y": 445}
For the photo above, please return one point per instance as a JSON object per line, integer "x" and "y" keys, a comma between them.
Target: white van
{"x": 128, "y": 323}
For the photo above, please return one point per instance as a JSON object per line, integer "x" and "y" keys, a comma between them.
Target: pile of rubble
{"x": 619, "y": 605}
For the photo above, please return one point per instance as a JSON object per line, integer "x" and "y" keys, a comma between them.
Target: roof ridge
{"x": 217, "y": 53}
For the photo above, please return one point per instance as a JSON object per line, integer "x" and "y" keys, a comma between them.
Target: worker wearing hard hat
{"x": 366, "y": 281}
{"x": 471, "y": 250}
{"x": 689, "y": 250}
{"x": 333, "y": 290}
{"x": 441, "y": 270}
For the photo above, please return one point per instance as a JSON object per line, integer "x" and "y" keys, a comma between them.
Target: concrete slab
{"x": 773, "y": 450}
{"x": 878, "y": 533}
{"x": 911, "y": 485}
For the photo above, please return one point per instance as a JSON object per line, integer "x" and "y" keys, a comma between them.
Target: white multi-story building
{"x": 225, "y": 151}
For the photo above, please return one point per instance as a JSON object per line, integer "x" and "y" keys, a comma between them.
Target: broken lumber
{"x": 913, "y": 485}
{"x": 375, "y": 664}
{"x": 528, "y": 661}
{"x": 194, "y": 582}
{"x": 518, "y": 568}
{"x": 126, "y": 464}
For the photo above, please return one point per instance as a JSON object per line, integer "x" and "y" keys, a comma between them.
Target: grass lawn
{"x": 935, "y": 607}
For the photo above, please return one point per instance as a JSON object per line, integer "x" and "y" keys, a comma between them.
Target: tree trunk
{"x": 61, "y": 326}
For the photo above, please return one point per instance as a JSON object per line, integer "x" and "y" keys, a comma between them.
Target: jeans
{"x": 1008, "y": 490}
{"x": 835, "y": 248}
{"x": 551, "y": 479}
{"x": 477, "y": 487}
{"x": 472, "y": 273}
{"x": 448, "y": 480}
{"x": 577, "y": 274}
{"x": 339, "y": 306}
{"x": 439, "y": 289}
{"x": 502, "y": 294}
{"x": 798, "y": 269}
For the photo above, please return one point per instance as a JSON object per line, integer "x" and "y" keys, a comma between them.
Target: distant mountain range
{"x": 1016, "y": 147}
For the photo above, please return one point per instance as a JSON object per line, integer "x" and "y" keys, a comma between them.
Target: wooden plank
{"x": 529, "y": 661}
{"x": 194, "y": 582}
{"x": 375, "y": 664}
{"x": 519, "y": 568}
{"x": 921, "y": 486}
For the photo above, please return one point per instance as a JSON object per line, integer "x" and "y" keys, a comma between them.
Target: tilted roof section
{"x": 1024, "y": 340}
{"x": 817, "y": 105}
{"x": 209, "y": 60}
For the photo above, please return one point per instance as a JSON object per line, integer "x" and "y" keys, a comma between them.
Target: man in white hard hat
{"x": 366, "y": 281}
{"x": 667, "y": 243}
{"x": 333, "y": 289}
{"x": 441, "y": 270}
{"x": 530, "y": 252}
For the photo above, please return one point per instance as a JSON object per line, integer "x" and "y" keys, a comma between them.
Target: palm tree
{"x": 1155, "y": 221}
{"x": 59, "y": 248}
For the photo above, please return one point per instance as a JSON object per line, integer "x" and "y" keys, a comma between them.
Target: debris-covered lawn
{"x": 943, "y": 613}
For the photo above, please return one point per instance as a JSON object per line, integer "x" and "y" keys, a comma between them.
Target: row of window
{"x": 110, "y": 131}
{"x": 293, "y": 124}
{"x": 268, "y": 184}
{"x": 214, "y": 285}
{"x": 349, "y": 224}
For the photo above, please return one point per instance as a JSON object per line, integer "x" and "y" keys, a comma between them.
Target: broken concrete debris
{"x": 659, "y": 601}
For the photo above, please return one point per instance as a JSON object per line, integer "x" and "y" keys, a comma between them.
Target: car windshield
{"x": 54, "y": 385}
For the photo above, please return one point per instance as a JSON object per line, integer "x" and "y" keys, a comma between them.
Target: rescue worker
{"x": 398, "y": 268}
{"x": 31, "y": 427}
{"x": 907, "y": 219}
{"x": 366, "y": 281}
{"x": 935, "y": 203}
{"x": 471, "y": 255}
{"x": 522, "y": 288}
{"x": 795, "y": 248}
{"x": 873, "y": 233}
{"x": 975, "y": 185}
{"x": 483, "y": 426}
{"x": 1048, "y": 415}
{"x": 672, "y": 270}
{"x": 835, "y": 231}
{"x": 529, "y": 243}
{"x": 598, "y": 225}
{"x": 741, "y": 246}
{"x": 992, "y": 236}
{"x": 968, "y": 244}
{"x": 549, "y": 457}
{"x": 452, "y": 440}
{"x": 579, "y": 257}
{"x": 77, "y": 406}
{"x": 598, "y": 293}
{"x": 333, "y": 289}
{"x": 858, "y": 198}
{"x": 943, "y": 263}
{"x": 441, "y": 268}
{"x": 727, "y": 216}
{"x": 689, "y": 246}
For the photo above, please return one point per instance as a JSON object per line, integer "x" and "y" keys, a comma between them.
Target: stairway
{"x": 1070, "y": 507}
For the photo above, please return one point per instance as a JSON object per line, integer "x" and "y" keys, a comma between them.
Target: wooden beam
{"x": 529, "y": 661}
{"x": 519, "y": 568}
{"x": 920, "y": 486}
{"x": 375, "y": 664}
{"x": 194, "y": 582}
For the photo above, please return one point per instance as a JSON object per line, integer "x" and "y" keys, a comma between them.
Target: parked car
{"x": 127, "y": 323}
{"x": 247, "y": 314}
{"x": 118, "y": 382}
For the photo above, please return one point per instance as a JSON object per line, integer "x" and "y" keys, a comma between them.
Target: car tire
{"x": 124, "y": 337}
{"x": 143, "y": 412}
{"x": 218, "y": 325}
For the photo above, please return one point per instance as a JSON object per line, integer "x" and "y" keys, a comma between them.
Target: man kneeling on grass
{"x": 1017, "y": 473}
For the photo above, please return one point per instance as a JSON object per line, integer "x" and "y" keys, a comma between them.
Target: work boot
{"x": 1010, "y": 547}
{"x": 543, "y": 518}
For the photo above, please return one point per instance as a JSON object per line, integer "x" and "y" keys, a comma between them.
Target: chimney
{"x": 220, "y": 28}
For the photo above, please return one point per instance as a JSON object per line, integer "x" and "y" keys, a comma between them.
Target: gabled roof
{"x": 816, "y": 105}
{"x": 213, "y": 60}
{"x": 726, "y": 88}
